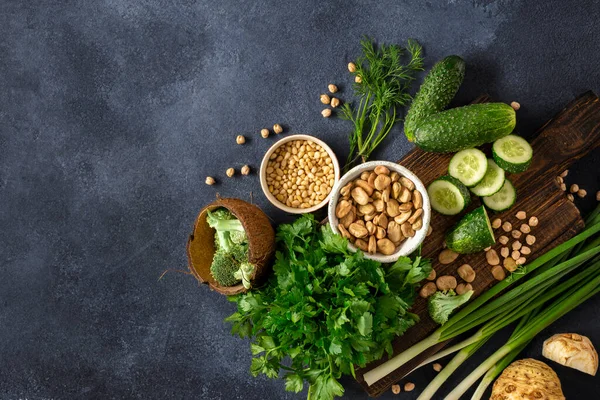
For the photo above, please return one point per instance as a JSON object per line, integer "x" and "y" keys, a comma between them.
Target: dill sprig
{"x": 382, "y": 90}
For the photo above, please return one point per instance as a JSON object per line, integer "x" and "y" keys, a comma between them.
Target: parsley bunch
{"x": 325, "y": 309}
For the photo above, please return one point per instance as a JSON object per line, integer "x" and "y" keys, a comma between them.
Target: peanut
{"x": 385, "y": 246}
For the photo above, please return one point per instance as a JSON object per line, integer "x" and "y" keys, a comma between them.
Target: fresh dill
{"x": 382, "y": 80}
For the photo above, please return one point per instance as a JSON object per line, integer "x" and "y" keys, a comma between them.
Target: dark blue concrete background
{"x": 113, "y": 112}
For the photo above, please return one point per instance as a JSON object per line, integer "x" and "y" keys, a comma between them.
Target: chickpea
{"x": 335, "y": 102}
{"x": 325, "y": 99}
{"x": 230, "y": 172}
{"x": 240, "y": 139}
{"x": 277, "y": 129}
{"x": 351, "y": 67}
{"x": 332, "y": 88}
{"x": 326, "y": 113}
{"x": 245, "y": 170}
{"x": 210, "y": 181}
{"x": 264, "y": 133}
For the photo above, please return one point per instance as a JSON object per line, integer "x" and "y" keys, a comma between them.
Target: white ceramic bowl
{"x": 263, "y": 174}
{"x": 409, "y": 245}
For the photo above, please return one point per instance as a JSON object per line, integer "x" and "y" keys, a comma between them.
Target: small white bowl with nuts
{"x": 298, "y": 173}
{"x": 382, "y": 208}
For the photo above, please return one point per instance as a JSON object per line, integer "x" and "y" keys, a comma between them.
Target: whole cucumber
{"x": 465, "y": 127}
{"x": 438, "y": 89}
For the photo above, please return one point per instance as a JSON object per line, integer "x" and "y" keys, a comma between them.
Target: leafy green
{"x": 325, "y": 309}
{"x": 383, "y": 88}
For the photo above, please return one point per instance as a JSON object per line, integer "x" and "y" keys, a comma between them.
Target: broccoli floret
{"x": 442, "y": 304}
{"x": 244, "y": 273}
{"x": 223, "y": 268}
{"x": 230, "y": 231}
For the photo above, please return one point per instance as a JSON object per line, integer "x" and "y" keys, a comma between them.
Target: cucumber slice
{"x": 491, "y": 182}
{"x": 448, "y": 195}
{"x": 504, "y": 199}
{"x": 512, "y": 153}
{"x": 472, "y": 233}
{"x": 468, "y": 166}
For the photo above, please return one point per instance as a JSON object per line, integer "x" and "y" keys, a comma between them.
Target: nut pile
{"x": 379, "y": 210}
{"x": 514, "y": 254}
{"x": 300, "y": 174}
{"x": 329, "y": 100}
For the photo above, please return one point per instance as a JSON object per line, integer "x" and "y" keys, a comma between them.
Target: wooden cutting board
{"x": 569, "y": 136}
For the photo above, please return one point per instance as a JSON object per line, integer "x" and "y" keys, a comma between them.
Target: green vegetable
{"x": 438, "y": 89}
{"x": 512, "y": 153}
{"x": 468, "y": 166}
{"x": 441, "y": 304}
{"x": 383, "y": 90}
{"x": 504, "y": 199}
{"x": 325, "y": 309}
{"x": 465, "y": 127}
{"x": 448, "y": 195}
{"x": 472, "y": 233}
{"x": 496, "y": 308}
{"x": 492, "y": 181}
{"x": 244, "y": 273}
{"x": 231, "y": 246}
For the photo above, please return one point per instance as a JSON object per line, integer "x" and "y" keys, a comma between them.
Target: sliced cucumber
{"x": 491, "y": 182}
{"x": 448, "y": 195}
{"x": 504, "y": 199}
{"x": 512, "y": 153}
{"x": 472, "y": 233}
{"x": 468, "y": 166}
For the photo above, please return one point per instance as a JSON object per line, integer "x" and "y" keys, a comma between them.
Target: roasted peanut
{"x": 405, "y": 195}
{"x": 379, "y": 205}
{"x": 366, "y": 209}
{"x": 372, "y": 245}
{"x": 381, "y": 220}
{"x": 417, "y": 225}
{"x": 445, "y": 282}
{"x": 382, "y": 182}
{"x": 360, "y": 196}
{"x": 396, "y": 190}
{"x": 371, "y": 179}
{"x": 466, "y": 272}
{"x": 364, "y": 185}
{"x": 380, "y": 233}
{"x": 361, "y": 244}
{"x": 385, "y": 195}
{"x": 407, "y": 183}
{"x": 345, "y": 191}
{"x": 344, "y": 232}
{"x": 343, "y": 208}
{"x": 417, "y": 199}
{"x": 427, "y": 290}
{"x": 348, "y": 218}
{"x": 462, "y": 288}
{"x": 491, "y": 257}
{"x": 392, "y": 208}
{"x": 407, "y": 230}
{"x": 371, "y": 228}
{"x": 395, "y": 176}
{"x": 357, "y": 230}
{"x": 498, "y": 272}
{"x": 385, "y": 246}
{"x": 393, "y": 232}
{"x": 381, "y": 170}
{"x": 403, "y": 217}
{"x": 447, "y": 256}
{"x": 416, "y": 215}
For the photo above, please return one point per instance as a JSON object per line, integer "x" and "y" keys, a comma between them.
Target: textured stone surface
{"x": 112, "y": 112}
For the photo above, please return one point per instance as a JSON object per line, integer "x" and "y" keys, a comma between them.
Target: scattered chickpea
{"x": 230, "y": 172}
{"x": 507, "y": 226}
{"x": 516, "y": 106}
{"x": 504, "y": 252}
{"x": 396, "y": 389}
{"x": 530, "y": 239}
{"x": 277, "y": 129}
{"x": 564, "y": 173}
{"x": 563, "y": 187}
{"x": 497, "y": 223}
{"x": 437, "y": 367}
{"x": 335, "y": 102}
{"x": 582, "y": 193}
{"x": 351, "y": 67}
{"x": 521, "y": 215}
{"x": 240, "y": 139}
{"x": 357, "y": 79}
{"x": 264, "y": 133}
{"x": 533, "y": 221}
{"x": 325, "y": 99}
{"x": 332, "y": 88}
{"x": 503, "y": 239}
{"x": 574, "y": 188}
{"x": 409, "y": 387}
{"x": 326, "y": 113}
{"x": 570, "y": 197}
{"x": 525, "y": 228}
{"x": 560, "y": 180}
{"x": 516, "y": 234}
{"x": 525, "y": 250}
{"x": 521, "y": 261}
{"x": 245, "y": 170}
{"x": 515, "y": 254}
{"x": 210, "y": 181}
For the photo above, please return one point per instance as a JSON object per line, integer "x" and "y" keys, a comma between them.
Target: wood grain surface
{"x": 570, "y": 135}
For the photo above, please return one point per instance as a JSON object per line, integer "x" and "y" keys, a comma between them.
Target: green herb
{"x": 383, "y": 88}
{"x": 325, "y": 309}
